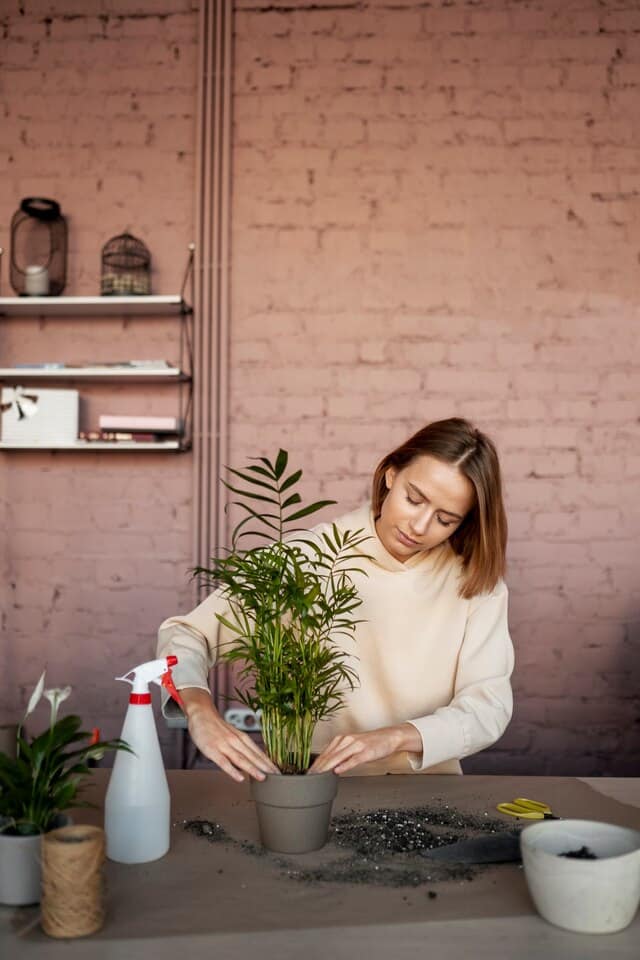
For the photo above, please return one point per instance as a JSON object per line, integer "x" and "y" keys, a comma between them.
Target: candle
{"x": 36, "y": 281}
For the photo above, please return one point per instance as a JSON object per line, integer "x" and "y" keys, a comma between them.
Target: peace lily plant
{"x": 44, "y": 778}
{"x": 289, "y": 599}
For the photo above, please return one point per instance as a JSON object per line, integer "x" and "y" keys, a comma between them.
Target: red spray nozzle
{"x": 172, "y": 660}
{"x": 167, "y": 681}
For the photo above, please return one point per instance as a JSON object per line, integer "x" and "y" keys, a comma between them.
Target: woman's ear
{"x": 389, "y": 476}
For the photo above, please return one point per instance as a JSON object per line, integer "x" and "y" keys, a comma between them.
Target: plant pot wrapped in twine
{"x": 72, "y": 881}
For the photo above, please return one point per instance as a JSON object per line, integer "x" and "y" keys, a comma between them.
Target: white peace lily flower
{"x": 35, "y": 697}
{"x": 56, "y": 696}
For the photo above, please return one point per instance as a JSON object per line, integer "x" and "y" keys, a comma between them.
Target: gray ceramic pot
{"x": 20, "y": 870}
{"x": 294, "y": 811}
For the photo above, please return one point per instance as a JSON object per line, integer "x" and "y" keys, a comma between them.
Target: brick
{"x": 490, "y": 22}
{"x": 396, "y": 44}
{"x": 583, "y": 524}
{"x": 333, "y": 461}
{"x": 266, "y": 78}
{"x": 473, "y": 353}
{"x": 445, "y": 20}
{"x": 619, "y": 552}
{"x": 457, "y": 381}
{"x": 390, "y": 131}
{"x": 514, "y": 354}
{"x": 620, "y": 21}
{"x": 542, "y": 552}
{"x": 420, "y": 354}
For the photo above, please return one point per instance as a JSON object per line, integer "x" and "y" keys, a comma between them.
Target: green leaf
{"x": 268, "y": 465}
{"x": 251, "y": 495}
{"x": 228, "y": 624}
{"x": 290, "y": 501}
{"x": 290, "y": 481}
{"x": 307, "y": 511}
{"x": 247, "y": 478}
{"x": 261, "y": 470}
{"x": 281, "y": 463}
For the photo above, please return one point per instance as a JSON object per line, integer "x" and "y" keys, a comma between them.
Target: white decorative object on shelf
{"x": 32, "y": 415}
{"x": 36, "y": 281}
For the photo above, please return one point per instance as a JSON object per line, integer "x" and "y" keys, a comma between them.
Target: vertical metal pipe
{"x": 211, "y": 334}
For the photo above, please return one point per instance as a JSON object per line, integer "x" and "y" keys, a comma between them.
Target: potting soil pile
{"x": 383, "y": 846}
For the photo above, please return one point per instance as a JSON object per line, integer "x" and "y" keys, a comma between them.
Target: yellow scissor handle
{"x": 525, "y": 809}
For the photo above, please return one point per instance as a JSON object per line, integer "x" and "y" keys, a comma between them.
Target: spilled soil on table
{"x": 381, "y": 847}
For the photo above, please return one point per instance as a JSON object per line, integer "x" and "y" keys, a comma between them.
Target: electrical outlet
{"x": 244, "y": 719}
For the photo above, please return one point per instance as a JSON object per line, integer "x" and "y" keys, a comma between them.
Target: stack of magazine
{"x": 119, "y": 428}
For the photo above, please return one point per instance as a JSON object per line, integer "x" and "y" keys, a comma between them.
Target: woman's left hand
{"x": 350, "y": 750}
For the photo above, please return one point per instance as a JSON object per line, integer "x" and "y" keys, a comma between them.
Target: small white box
{"x": 34, "y": 415}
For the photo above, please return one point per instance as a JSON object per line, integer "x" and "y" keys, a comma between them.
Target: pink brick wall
{"x": 435, "y": 213}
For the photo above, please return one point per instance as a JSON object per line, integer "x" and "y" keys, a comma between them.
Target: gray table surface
{"x": 214, "y": 902}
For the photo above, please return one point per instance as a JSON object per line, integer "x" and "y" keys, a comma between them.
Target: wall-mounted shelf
{"x": 132, "y": 374}
{"x": 129, "y": 371}
{"x": 91, "y": 445}
{"x": 153, "y": 306}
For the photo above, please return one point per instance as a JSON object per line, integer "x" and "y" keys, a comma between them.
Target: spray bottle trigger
{"x": 166, "y": 681}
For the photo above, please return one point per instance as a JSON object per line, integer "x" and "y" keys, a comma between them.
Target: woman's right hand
{"x": 231, "y": 749}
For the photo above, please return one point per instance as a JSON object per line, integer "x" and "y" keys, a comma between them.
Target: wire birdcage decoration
{"x": 38, "y": 260}
{"x": 126, "y": 267}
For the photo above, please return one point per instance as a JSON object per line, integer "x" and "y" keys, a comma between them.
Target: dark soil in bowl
{"x": 584, "y": 853}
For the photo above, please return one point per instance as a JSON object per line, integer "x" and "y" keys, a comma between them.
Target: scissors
{"x": 527, "y": 809}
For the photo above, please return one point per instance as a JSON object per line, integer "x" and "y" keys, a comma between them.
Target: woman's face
{"x": 427, "y": 501}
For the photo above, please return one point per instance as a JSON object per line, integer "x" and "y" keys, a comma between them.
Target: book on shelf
{"x": 110, "y": 365}
{"x": 120, "y": 436}
{"x": 145, "y": 424}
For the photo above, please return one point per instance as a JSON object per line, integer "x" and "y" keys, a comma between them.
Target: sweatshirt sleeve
{"x": 194, "y": 638}
{"x": 483, "y": 702}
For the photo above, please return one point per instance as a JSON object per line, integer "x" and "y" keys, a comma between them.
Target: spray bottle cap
{"x": 154, "y": 671}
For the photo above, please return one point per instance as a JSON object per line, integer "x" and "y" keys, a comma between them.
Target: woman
{"x": 434, "y": 656}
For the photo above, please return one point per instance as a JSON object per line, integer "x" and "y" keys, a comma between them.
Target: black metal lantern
{"x": 126, "y": 267}
{"x": 38, "y": 262}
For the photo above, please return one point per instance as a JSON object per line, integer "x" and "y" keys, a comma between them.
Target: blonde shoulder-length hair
{"x": 481, "y": 539}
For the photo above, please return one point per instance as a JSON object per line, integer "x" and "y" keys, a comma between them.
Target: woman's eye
{"x": 416, "y": 503}
{"x": 445, "y": 523}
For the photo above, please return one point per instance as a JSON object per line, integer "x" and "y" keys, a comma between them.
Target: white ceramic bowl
{"x": 587, "y": 896}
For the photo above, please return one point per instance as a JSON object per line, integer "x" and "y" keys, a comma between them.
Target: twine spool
{"x": 72, "y": 881}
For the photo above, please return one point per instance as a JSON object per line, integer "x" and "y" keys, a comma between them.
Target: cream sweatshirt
{"x": 423, "y": 654}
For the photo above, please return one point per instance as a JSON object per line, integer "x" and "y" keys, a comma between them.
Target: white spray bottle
{"x": 137, "y": 805}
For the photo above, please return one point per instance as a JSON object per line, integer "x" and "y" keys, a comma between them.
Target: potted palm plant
{"x": 39, "y": 781}
{"x": 290, "y": 599}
